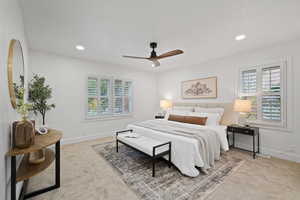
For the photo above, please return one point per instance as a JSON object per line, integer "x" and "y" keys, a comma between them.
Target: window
{"x": 264, "y": 86}
{"x": 108, "y": 97}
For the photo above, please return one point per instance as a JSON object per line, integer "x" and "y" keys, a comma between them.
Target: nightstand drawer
{"x": 247, "y": 131}
{"x": 242, "y": 130}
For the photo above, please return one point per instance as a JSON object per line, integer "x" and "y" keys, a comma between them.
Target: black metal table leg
{"x": 258, "y": 142}
{"x": 57, "y": 164}
{"x": 233, "y": 139}
{"x": 57, "y": 175}
{"x": 13, "y": 177}
{"x": 254, "y": 149}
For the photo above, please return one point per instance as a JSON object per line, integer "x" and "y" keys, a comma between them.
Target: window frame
{"x": 283, "y": 64}
{"x": 111, "y": 114}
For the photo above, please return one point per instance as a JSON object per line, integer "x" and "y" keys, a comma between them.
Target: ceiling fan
{"x": 154, "y": 58}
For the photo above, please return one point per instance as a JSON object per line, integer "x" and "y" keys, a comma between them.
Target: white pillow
{"x": 209, "y": 110}
{"x": 213, "y": 119}
{"x": 183, "y": 108}
{"x": 176, "y": 112}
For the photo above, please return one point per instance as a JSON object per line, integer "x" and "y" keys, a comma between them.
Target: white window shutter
{"x": 248, "y": 81}
{"x": 92, "y": 97}
{"x": 271, "y": 93}
{"x": 118, "y": 96}
{"x": 127, "y": 96}
{"x": 104, "y": 96}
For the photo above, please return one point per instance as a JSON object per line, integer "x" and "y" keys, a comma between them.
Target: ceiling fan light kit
{"x": 154, "y": 58}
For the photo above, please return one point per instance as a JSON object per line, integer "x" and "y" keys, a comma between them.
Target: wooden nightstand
{"x": 245, "y": 130}
{"x": 159, "y": 117}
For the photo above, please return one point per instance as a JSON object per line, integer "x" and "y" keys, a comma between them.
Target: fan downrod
{"x": 153, "y": 45}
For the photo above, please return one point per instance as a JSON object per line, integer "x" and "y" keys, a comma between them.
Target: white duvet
{"x": 185, "y": 151}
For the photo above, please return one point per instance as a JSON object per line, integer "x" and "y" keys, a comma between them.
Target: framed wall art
{"x": 199, "y": 88}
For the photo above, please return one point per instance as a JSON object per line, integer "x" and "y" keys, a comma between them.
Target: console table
{"x": 27, "y": 170}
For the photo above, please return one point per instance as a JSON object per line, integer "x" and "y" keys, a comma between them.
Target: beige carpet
{"x": 87, "y": 176}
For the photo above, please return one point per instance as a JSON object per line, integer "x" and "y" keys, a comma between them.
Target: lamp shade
{"x": 165, "y": 104}
{"x": 242, "y": 105}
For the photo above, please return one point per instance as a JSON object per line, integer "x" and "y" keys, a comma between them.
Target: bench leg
{"x": 153, "y": 168}
{"x": 170, "y": 162}
{"x": 117, "y": 146}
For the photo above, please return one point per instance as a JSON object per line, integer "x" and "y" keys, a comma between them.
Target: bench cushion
{"x": 142, "y": 143}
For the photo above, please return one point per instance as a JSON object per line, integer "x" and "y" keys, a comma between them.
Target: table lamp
{"x": 244, "y": 108}
{"x": 165, "y": 105}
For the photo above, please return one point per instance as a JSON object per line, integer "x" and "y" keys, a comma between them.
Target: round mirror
{"x": 15, "y": 71}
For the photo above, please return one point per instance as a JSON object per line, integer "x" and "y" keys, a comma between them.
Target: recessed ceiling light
{"x": 240, "y": 37}
{"x": 80, "y": 47}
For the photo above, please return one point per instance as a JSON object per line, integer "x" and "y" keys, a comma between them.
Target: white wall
{"x": 277, "y": 143}
{"x": 11, "y": 26}
{"x": 68, "y": 76}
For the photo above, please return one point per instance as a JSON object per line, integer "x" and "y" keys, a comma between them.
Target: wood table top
{"x": 41, "y": 141}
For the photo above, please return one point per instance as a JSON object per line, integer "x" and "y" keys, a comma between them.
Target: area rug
{"x": 169, "y": 184}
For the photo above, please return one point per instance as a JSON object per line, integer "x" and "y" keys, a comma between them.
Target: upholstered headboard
{"x": 229, "y": 116}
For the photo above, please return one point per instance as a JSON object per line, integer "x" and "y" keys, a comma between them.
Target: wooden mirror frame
{"x": 10, "y": 62}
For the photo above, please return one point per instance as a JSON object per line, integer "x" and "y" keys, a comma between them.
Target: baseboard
{"x": 84, "y": 138}
{"x": 272, "y": 152}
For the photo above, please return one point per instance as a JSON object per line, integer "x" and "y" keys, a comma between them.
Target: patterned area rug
{"x": 169, "y": 184}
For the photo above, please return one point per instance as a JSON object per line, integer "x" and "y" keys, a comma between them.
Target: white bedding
{"x": 185, "y": 151}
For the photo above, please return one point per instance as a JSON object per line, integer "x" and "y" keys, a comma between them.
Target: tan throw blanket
{"x": 209, "y": 143}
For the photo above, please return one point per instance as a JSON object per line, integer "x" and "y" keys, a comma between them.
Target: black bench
{"x": 148, "y": 146}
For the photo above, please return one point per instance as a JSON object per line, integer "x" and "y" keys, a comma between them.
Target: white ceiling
{"x": 204, "y": 29}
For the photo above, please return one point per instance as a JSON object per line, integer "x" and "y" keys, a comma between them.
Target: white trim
{"x": 85, "y": 138}
{"x": 272, "y": 152}
{"x": 109, "y": 117}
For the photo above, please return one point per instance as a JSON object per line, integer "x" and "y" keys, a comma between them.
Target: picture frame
{"x": 199, "y": 88}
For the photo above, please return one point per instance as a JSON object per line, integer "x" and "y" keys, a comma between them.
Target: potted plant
{"x": 39, "y": 94}
{"x": 23, "y": 130}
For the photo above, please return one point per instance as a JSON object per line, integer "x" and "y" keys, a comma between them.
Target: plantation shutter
{"x": 104, "y": 96}
{"x": 271, "y": 93}
{"x": 127, "y": 97}
{"x": 118, "y": 96}
{"x": 249, "y": 89}
{"x": 92, "y": 96}
{"x": 248, "y": 81}
{"x": 108, "y": 97}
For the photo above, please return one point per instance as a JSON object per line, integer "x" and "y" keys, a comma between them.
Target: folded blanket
{"x": 209, "y": 143}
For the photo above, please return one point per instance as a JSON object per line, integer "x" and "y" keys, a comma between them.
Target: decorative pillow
{"x": 188, "y": 119}
{"x": 176, "y": 118}
{"x": 195, "y": 120}
{"x": 175, "y": 112}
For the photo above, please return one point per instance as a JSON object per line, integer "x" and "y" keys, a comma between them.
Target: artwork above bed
{"x": 199, "y": 88}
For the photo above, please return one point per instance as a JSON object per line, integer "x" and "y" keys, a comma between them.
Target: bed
{"x": 192, "y": 145}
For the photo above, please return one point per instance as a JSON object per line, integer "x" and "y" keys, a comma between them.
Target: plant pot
{"x": 23, "y": 134}
{"x": 37, "y": 157}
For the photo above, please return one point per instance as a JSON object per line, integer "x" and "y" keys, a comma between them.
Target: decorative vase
{"x": 23, "y": 134}
{"x": 37, "y": 157}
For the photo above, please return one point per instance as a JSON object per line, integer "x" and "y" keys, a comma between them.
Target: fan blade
{"x": 155, "y": 63}
{"x": 170, "y": 53}
{"x": 135, "y": 57}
